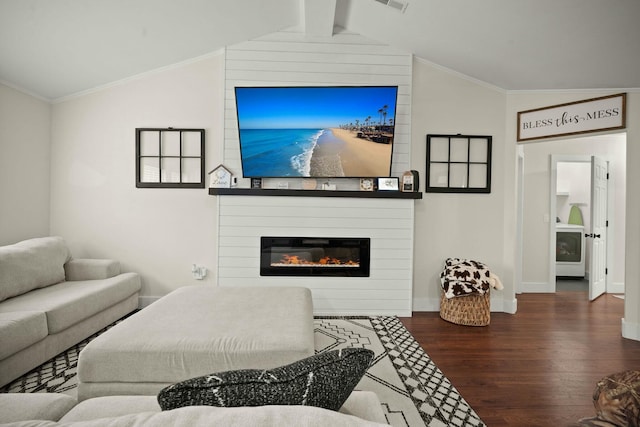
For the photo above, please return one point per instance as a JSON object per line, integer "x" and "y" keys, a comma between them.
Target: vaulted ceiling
{"x": 56, "y": 48}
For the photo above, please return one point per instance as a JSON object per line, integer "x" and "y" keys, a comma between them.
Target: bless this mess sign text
{"x": 591, "y": 115}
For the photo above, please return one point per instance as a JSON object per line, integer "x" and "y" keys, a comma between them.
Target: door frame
{"x": 553, "y": 180}
{"x": 519, "y": 218}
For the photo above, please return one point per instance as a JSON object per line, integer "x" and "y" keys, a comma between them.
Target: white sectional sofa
{"x": 50, "y": 301}
{"x": 361, "y": 409}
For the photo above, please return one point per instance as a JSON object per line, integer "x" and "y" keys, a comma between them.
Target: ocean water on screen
{"x": 277, "y": 152}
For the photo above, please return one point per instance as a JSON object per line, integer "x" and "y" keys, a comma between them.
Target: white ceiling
{"x": 56, "y": 48}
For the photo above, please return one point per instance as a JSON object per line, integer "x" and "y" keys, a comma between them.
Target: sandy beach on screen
{"x": 352, "y": 155}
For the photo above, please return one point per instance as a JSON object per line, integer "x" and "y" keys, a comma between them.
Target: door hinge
{"x": 607, "y": 175}
{"x": 606, "y": 271}
{"x": 606, "y": 223}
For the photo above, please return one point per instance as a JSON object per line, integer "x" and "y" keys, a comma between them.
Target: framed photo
{"x": 367, "y": 184}
{"x": 328, "y": 186}
{"x": 309, "y": 184}
{"x": 410, "y": 181}
{"x": 388, "y": 184}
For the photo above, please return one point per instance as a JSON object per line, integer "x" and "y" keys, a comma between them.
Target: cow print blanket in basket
{"x": 464, "y": 277}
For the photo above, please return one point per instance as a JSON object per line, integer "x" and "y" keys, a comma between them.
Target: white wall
{"x": 631, "y": 321}
{"x": 95, "y": 205}
{"x": 25, "y": 150}
{"x": 573, "y": 181}
{"x": 458, "y": 225}
{"x": 159, "y": 233}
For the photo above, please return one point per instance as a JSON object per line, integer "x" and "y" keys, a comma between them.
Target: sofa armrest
{"x": 16, "y": 407}
{"x": 91, "y": 269}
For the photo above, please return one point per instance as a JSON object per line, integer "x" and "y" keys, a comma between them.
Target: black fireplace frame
{"x": 363, "y": 244}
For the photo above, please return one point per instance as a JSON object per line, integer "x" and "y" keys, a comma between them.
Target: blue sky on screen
{"x": 312, "y": 107}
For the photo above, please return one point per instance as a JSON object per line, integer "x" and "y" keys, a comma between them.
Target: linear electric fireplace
{"x": 314, "y": 256}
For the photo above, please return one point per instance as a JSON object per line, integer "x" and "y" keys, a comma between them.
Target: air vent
{"x": 398, "y": 5}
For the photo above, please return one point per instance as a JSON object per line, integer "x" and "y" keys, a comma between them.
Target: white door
{"x": 597, "y": 236}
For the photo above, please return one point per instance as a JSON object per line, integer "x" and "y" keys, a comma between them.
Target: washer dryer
{"x": 570, "y": 250}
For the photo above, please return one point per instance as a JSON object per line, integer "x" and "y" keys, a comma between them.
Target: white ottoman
{"x": 194, "y": 331}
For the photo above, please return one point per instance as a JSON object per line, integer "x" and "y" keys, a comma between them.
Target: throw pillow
{"x": 617, "y": 399}
{"x": 324, "y": 380}
{"x": 32, "y": 264}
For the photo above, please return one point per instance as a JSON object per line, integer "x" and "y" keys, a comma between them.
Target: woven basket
{"x": 468, "y": 310}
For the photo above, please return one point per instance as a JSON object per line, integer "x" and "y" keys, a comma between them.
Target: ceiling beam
{"x": 319, "y": 17}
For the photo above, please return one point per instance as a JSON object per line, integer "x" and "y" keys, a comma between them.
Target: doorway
{"x": 537, "y": 272}
{"x": 579, "y": 235}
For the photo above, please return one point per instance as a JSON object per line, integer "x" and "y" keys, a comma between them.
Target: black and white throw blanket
{"x": 462, "y": 277}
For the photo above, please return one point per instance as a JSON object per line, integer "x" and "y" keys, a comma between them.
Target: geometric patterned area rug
{"x": 411, "y": 388}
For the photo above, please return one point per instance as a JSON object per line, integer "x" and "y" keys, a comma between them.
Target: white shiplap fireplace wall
{"x": 293, "y": 58}
{"x": 389, "y": 224}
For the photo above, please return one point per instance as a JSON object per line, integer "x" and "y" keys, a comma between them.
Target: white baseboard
{"x": 419, "y": 304}
{"x": 537, "y": 287}
{"x": 498, "y": 305}
{"x": 543, "y": 287}
{"x": 616, "y": 288}
{"x": 508, "y": 306}
{"x": 426, "y": 304}
{"x": 630, "y": 330}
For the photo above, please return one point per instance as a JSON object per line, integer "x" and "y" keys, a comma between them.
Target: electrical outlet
{"x": 198, "y": 272}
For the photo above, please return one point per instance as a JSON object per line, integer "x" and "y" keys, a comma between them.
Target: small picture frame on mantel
{"x": 220, "y": 177}
{"x": 410, "y": 181}
{"x": 390, "y": 183}
{"x": 367, "y": 184}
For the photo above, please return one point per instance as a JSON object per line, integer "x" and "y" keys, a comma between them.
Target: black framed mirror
{"x": 169, "y": 158}
{"x": 458, "y": 163}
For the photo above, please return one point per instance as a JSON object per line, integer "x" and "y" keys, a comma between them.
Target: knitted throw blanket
{"x": 462, "y": 277}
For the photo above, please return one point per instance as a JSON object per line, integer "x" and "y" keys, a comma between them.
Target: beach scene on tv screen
{"x": 316, "y": 131}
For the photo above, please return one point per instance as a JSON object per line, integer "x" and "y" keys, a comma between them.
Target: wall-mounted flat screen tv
{"x": 316, "y": 131}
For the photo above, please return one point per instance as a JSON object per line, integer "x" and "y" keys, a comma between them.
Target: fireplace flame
{"x": 325, "y": 261}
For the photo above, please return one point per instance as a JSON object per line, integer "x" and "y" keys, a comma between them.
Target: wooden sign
{"x": 590, "y": 115}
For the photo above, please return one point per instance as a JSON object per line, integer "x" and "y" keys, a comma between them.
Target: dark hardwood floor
{"x": 538, "y": 367}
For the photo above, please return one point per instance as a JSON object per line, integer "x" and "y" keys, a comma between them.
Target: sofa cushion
{"x": 324, "y": 380}
{"x": 68, "y": 303}
{"x": 34, "y": 406}
{"x": 20, "y": 329}
{"x": 361, "y": 404}
{"x": 111, "y": 406}
{"x": 211, "y": 329}
{"x": 91, "y": 269}
{"x": 263, "y": 416}
{"x": 32, "y": 264}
